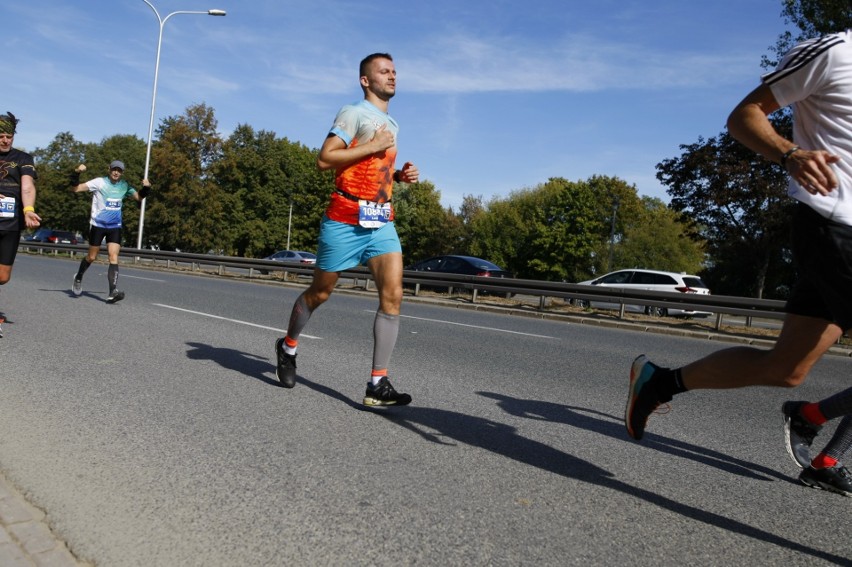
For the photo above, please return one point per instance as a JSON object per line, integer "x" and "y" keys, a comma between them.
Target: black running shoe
{"x": 642, "y": 399}
{"x": 77, "y": 285}
{"x": 383, "y": 394}
{"x": 286, "y": 368}
{"x": 834, "y": 479}
{"x": 799, "y": 433}
{"x": 115, "y": 296}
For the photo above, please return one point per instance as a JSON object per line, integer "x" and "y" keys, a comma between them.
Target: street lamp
{"x": 154, "y": 96}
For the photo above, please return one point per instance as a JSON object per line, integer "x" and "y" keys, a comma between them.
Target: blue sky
{"x": 492, "y": 96}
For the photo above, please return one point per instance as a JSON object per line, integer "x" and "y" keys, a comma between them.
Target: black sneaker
{"x": 115, "y": 296}
{"x": 642, "y": 399}
{"x": 834, "y": 479}
{"x": 286, "y": 368}
{"x": 799, "y": 433}
{"x": 77, "y": 285}
{"x": 383, "y": 394}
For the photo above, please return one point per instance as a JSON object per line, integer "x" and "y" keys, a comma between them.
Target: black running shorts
{"x": 9, "y": 240}
{"x": 822, "y": 251}
{"x": 98, "y": 234}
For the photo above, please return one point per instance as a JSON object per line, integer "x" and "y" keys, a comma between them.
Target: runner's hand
{"x": 812, "y": 170}
{"x": 409, "y": 173}
{"x": 382, "y": 139}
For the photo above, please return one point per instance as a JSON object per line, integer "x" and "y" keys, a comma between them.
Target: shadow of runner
{"x": 446, "y": 427}
{"x": 232, "y": 359}
{"x": 612, "y": 426}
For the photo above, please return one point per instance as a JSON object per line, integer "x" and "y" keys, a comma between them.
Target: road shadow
{"x": 452, "y": 428}
{"x": 231, "y": 359}
{"x": 613, "y": 426}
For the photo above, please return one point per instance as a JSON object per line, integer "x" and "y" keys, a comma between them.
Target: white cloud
{"x": 464, "y": 64}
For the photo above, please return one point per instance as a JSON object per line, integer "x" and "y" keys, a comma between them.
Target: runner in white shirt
{"x": 108, "y": 195}
{"x": 815, "y": 78}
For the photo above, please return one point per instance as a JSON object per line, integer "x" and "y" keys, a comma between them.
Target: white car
{"x": 651, "y": 280}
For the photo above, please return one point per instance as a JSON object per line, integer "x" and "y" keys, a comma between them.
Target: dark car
{"x": 298, "y": 256}
{"x": 54, "y": 236}
{"x": 464, "y": 265}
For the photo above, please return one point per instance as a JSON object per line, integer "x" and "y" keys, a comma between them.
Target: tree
{"x": 187, "y": 210}
{"x": 616, "y": 205}
{"x": 738, "y": 199}
{"x": 425, "y": 227}
{"x": 812, "y": 18}
{"x": 656, "y": 238}
{"x": 264, "y": 177}
{"x": 57, "y": 205}
{"x": 548, "y": 232}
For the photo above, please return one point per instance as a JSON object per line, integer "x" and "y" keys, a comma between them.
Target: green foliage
{"x": 812, "y": 18}
{"x": 56, "y": 204}
{"x": 263, "y": 176}
{"x": 425, "y": 228}
{"x": 236, "y": 196}
{"x": 543, "y": 233}
{"x": 739, "y": 201}
{"x": 656, "y": 238}
{"x": 186, "y": 210}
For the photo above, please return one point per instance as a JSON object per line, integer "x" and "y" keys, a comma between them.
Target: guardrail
{"x": 719, "y": 305}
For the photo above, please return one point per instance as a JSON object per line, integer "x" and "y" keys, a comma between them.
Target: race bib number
{"x": 113, "y": 204}
{"x": 373, "y": 215}
{"x": 7, "y": 208}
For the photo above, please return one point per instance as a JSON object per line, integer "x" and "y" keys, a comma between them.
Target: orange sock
{"x": 823, "y": 461}
{"x": 377, "y": 375}
{"x": 290, "y": 345}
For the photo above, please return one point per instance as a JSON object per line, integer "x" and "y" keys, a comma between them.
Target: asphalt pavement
{"x": 152, "y": 432}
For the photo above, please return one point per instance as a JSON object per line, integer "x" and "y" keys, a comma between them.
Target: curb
{"x": 26, "y": 539}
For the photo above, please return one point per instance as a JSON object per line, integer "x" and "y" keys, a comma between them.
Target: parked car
{"x": 465, "y": 265}
{"x": 293, "y": 256}
{"x": 54, "y": 236}
{"x": 37, "y": 235}
{"x": 299, "y": 256}
{"x": 651, "y": 280}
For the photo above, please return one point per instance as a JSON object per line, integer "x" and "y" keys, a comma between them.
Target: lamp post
{"x": 289, "y": 222}
{"x": 615, "y": 203}
{"x": 162, "y": 22}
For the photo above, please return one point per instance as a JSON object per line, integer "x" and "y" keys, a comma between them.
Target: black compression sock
{"x": 84, "y": 265}
{"x": 668, "y": 382}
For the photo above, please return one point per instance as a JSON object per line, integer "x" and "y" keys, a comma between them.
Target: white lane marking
{"x": 141, "y": 278}
{"x": 474, "y": 326}
{"x": 211, "y": 316}
{"x": 123, "y": 275}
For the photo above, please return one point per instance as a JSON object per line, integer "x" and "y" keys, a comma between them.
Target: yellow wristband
{"x": 29, "y": 210}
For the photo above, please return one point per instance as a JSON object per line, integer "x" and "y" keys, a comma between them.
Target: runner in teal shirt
{"x": 107, "y": 201}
